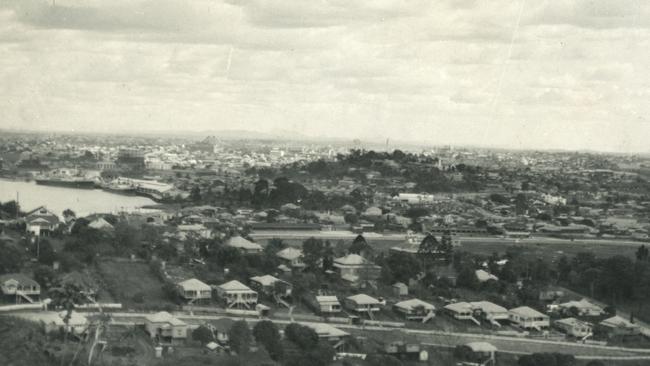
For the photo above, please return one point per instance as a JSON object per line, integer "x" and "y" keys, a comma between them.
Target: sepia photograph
{"x": 324, "y": 183}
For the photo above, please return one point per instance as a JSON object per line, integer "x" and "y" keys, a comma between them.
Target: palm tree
{"x": 66, "y": 296}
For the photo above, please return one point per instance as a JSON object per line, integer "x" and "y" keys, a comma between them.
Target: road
{"x": 507, "y": 344}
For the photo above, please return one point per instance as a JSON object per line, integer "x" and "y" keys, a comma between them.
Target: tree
{"x": 195, "y": 194}
{"x": 11, "y": 208}
{"x": 359, "y": 245}
{"x": 302, "y": 336}
{"x": 11, "y": 259}
{"x": 547, "y": 359}
{"x": 69, "y": 214}
{"x": 203, "y": 335}
{"x": 45, "y": 276}
{"x": 266, "y": 333}
{"x": 402, "y": 266}
{"x": 312, "y": 250}
{"x": 240, "y": 337}
{"x": 46, "y": 254}
{"x": 274, "y": 245}
{"x": 642, "y": 253}
{"x": 377, "y": 359}
{"x": 467, "y": 278}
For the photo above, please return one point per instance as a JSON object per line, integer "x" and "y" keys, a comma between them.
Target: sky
{"x": 556, "y": 74}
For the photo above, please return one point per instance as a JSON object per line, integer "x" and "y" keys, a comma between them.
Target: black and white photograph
{"x": 324, "y": 183}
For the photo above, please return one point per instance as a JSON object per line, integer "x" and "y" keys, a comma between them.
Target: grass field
{"x": 133, "y": 284}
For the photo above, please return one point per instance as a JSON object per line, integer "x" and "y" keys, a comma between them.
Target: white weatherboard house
{"x": 414, "y": 309}
{"x": 245, "y": 245}
{"x": 292, "y": 257}
{"x": 166, "y": 328}
{"x": 237, "y": 295}
{"x": 529, "y": 318}
{"x": 328, "y": 304}
{"x": 356, "y": 269}
{"x": 574, "y": 327}
{"x": 583, "y": 308}
{"x": 19, "y": 287}
{"x": 193, "y": 290}
{"x": 362, "y": 303}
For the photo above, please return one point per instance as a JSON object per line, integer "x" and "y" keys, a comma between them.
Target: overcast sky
{"x": 521, "y": 74}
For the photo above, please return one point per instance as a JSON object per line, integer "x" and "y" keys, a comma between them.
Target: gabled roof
{"x": 488, "y": 307}
{"x": 414, "y": 303}
{"x": 573, "y": 322}
{"x": 266, "y": 280}
{"x": 327, "y": 300}
{"x": 459, "y": 307}
{"x": 19, "y": 277}
{"x": 363, "y": 299}
{"x": 481, "y": 347}
{"x": 326, "y": 330}
{"x": 352, "y": 260}
{"x": 234, "y": 285}
{"x": 194, "y": 284}
{"x": 289, "y": 253}
{"x": 618, "y": 322}
{"x": 581, "y": 304}
{"x": 242, "y": 243}
{"x": 483, "y": 276}
{"x": 527, "y": 312}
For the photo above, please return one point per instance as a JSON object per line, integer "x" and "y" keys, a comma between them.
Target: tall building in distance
{"x": 130, "y": 157}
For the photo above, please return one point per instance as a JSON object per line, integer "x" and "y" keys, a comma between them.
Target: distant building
{"x": 356, "y": 269}
{"x": 131, "y": 157}
{"x": 291, "y": 257}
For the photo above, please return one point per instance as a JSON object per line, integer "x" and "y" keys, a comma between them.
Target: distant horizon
{"x": 270, "y": 136}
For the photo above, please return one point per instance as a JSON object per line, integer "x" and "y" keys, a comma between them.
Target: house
{"x": 41, "y": 221}
{"x": 244, "y": 245}
{"x": 53, "y": 321}
{"x": 461, "y": 311}
{"x": 194, "y": 291}
{"x": 356, "y": 269}
{"x": 236, "y": 294}
{"x": 617, "y": 326}
{"x": 490, "y": 312}
{"x": 19, "y": 288}
{"x": 291, "y": 257}
{"x": 574, "y": 327}
{"x": 271, "y": 286}
{"x": 528, "y": 318}
{"x": 362, "y": 303}
{"x": 414, "y": 309}
{"x": 328, "y": 304}
{"x": 484, "y": 276}
{"x": 165, "y": 328}
{"x": 100, "y": 223}
{"x": 581, "y": 308}
{"x": 327, "y": 332}
{"x": 400, "y": 289}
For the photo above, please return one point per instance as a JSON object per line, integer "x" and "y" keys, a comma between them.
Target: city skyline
{"x": 563, "y": 75}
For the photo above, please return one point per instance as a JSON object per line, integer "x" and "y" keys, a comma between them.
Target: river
{"x": 57, "y": 199}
